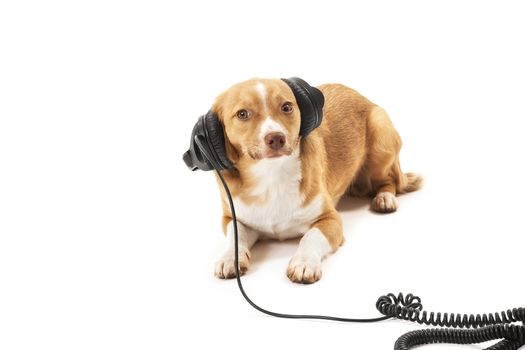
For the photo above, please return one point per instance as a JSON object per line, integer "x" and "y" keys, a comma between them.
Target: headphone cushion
{"x": 310, "y": 101}
{"x": 215, "y": 137}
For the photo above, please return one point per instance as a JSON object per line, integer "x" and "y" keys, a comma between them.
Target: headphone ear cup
{"x": 310, "y": 101}
{"x": 194, "y": 157}
{"x": 215, "y": 139}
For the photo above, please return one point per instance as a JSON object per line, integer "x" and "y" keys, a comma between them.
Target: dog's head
{"x": 261, "y": 119}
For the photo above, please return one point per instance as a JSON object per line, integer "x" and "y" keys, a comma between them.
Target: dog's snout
{"x": 275, "y": 140}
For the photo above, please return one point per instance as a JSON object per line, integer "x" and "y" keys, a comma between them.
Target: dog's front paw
{"x": 384, "y": 202}
{"x": 225, "y": 267}
{"x": 304, "y": 269}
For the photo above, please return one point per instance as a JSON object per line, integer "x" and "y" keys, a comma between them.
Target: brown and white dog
{"x": 285, "y": 186}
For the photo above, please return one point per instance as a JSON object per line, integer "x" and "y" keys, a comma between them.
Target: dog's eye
{"x": 243, "y": 114}
{"x": 287, "y": 107}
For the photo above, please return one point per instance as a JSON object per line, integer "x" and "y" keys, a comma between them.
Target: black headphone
{"x": 207, "y": 137}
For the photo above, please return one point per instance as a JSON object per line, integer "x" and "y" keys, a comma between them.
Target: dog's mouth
{"x": 277, "y": 154}
{"x": 258, "y": 154}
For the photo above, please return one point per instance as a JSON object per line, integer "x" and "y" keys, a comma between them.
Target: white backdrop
{"x": 107, "y": 241}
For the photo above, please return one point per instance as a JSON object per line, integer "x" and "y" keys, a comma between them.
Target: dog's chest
{"x": 278, "y": 212}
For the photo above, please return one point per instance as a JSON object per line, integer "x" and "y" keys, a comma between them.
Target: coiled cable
{"x": 489, "y": 326}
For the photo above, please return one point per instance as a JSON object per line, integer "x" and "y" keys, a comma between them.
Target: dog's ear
{"x": 231, "y": 151}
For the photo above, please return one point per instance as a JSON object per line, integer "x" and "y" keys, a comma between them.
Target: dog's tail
{"x": 413, "y": 182}
{"x": 406, "y": 182}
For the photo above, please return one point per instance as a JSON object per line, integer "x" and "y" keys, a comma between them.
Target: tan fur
{"x": 355, "y": 149}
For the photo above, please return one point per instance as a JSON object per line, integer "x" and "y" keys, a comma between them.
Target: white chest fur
{"x": 281, "y": 215}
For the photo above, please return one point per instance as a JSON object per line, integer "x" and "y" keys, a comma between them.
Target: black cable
{"x": 489, "y": 326}
{"x": 271, "y": 313}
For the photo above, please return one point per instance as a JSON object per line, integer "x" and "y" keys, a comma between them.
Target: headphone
{"x": 207, "y": 137}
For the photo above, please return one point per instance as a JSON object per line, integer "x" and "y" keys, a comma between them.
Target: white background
{"x": 107, "y": 241}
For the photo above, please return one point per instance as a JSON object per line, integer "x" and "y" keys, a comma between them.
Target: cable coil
{"x": 489, "y": 326}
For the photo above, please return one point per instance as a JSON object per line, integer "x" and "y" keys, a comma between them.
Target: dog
{"x": 285, "y": 185}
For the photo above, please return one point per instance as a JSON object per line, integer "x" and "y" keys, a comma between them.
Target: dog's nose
{"x": 275, "y": 140}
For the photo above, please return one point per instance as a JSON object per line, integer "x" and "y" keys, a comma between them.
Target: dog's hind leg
{"x": 382, "y": 164}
